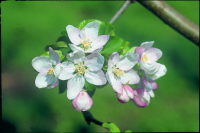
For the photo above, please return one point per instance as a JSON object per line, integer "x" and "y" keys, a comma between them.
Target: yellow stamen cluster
{"x": 51, "y": 71}
{"x": 86, "y": 42}
{"x": 144, "y": 58}
{"x": 118, "y": 72}
{"x": 80, "y": 69}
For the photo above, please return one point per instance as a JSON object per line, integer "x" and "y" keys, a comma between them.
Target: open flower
{"x": 120, "y": 71}
{"x": 127, "y": 94}
{"x": 82, "y": 68}
{"x": 141, "y": 97}
{"x": 82, "y": 102}
{"x": 49, "y": 70}
{"x": 86, "y": 39}
{"x": 147, "y": 60}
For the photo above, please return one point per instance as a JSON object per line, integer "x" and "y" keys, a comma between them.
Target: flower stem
{"x": 89, "y": 118}
{"x": 174, "y": 19}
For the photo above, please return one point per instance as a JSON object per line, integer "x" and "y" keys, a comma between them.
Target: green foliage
{"x": 128, "y": 131}
{"x": 111, "y": 127}
{"x": 132, "y": 50}
{"x": 89, "y": 87}
{"x": 113, "y": 45}
{"x": 85, "y": 22}
{"x": 46, "y": 54}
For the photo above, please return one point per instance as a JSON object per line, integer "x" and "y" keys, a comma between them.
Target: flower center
{"x": 80, "y": 69}
{"x": 86, "y": 43}
{"x": 51, "y": 71}
{"x": 118, "y": 72}
{"x": 144, "y": 58}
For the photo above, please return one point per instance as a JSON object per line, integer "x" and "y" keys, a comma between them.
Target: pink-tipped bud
{"x": 141, "y": 97}
{"x": 127, "y": 93}
{"x": 82, "y": 102}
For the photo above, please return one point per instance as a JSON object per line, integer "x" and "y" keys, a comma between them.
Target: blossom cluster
{"x": 85, "y": 63}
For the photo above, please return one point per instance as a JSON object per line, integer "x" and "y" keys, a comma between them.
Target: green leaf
{"x": 132, "y": 50}
{"x": 61, "y": 44}
{"x": 111, "y": 127}
{"x": 85, "y": 22}
{"x": 88, "y": 86}
{"x": 46, "y": 54}
{"x": 106, "y": 28}
{"x": 128, "y": 131}
{"x": 113, "y": 45}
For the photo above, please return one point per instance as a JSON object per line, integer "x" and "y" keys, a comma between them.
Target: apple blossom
{"x": 86, "y": 39}
{"x": 141, "y": 97}
{"x": 49, "y": 70}
{"x": 82, "y": 68}
{"x": 127, "y": 94}
{"x": 120, "y": 71}
{"x": 82, "y": 102}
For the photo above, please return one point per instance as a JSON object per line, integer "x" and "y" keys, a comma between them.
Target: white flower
{"x": 147, "y": 60}
{"x": 82, "y": 102}
{"x": 120, "y": 70}
{"x": 86, "y": 39}
{"x": 49, "y": 70}
{"x": 82, "y": 68}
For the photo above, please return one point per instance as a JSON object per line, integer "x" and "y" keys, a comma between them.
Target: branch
{"x": 89, "y": 118}
{"x": 174, "y": 19}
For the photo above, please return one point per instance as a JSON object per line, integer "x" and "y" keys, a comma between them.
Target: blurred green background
{"x": 27, "y": 27}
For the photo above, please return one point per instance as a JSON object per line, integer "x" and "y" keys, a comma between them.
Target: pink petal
{"x": 129, "y": 91}
{"x": 140, "y": 51}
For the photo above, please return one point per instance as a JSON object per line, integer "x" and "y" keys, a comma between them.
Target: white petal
{"x": 127, "y": 62}
{"x": 161, "y": 71}
{"x": 94, "y": 62}
{"x": 76, "y": 57}
{"x": 150, "y": 68}
{"x": 73, "y": 34}
{"x": 114, "y": 81}
{"x": 147, "y": 45}
{"x": 54, "y": 83}
{"x": 96, "y": 78}
{"x": 129, "y": 91}
{"x": 89, "y": 33}
{"x": 130, "y": 76}
{"x": 43, "y": 80}
{"x": 54, "y": 56}
{"x": 75, "y": 48}
{"x": 124, "y": 97}
{"x": 145, "y": 98}
{"x": 151, "y": 93}
{"x": 41, "y": 64}
{"x": 99, "y": 42}
{"x": 74, "y": 86}
{"x": 57, "y": 70}
{"x": 82, "y": 101}
{"x": 113, "y": 59}
{"x": 67, "y": 71}
{"x": 153, "y": 54}
{"x": 95, "y": 51}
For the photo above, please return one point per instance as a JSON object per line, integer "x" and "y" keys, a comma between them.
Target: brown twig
{"x": 89, "y": 118}
{"x": 174, "y": 19}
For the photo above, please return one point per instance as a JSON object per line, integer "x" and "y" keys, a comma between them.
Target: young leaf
{"x": 46, "y": 54}
{"x": 132, "y": 50}
{"x": 111, "y": 127}
{"x": 128, "y": 131}
{"x": 85, "y": 22}
{"x": 113, "y": 45}
{"x": 106, "y": 28}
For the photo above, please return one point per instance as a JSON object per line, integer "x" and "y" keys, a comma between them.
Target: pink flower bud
{"x": 82, "y": 102}
{"x": 127, "y": 93}
{"x": 141, "y": 97}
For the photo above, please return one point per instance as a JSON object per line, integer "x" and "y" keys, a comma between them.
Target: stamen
{"x": 144, "y": 58}
{"x": 118, "y": 72}
{"x": 50, "y": 71}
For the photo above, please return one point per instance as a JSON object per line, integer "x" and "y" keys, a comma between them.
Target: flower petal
{"x": 123, "y": 98}
{"x": 74, "y": 102}
{"x": 151, "y": 93}
{"x": 150, "y": 68}
{"x": 130, "y": 76}
{"x": 57, "y": 70}
{"x": 114, "y": 81}
{"x": 74, "y": 86}
{"x": 147, "y": 45}
{"x": 67, "y": 71}
{"x": 83, "y": 100}
{"x": 141, "y": 98}
{"x": 73, "y": 34}
{"x": 94, "y": 62}
{"x": 129, "y": 91}
{"x": 96, "y": 78}
{"x": 90, "y": 31}
{"x": 54, "y": 83}
{"x": 113, "y": 59}
{"x": 90, "y": 103}
{"x": 95, "y": 51}
{"x": 75, "y": 48}
{"x": 99, "y": 42}
{"x": 76, "y": 57}
{"x": 160, "y": 72}
{"x": 140, "y": 51}
{"x": 43, "y": 80}
{"x": 54, "y": 56}
{"x": 153, "y": 54}
{"x": 128, "y": 61}
{"x": 41, "y": 64}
